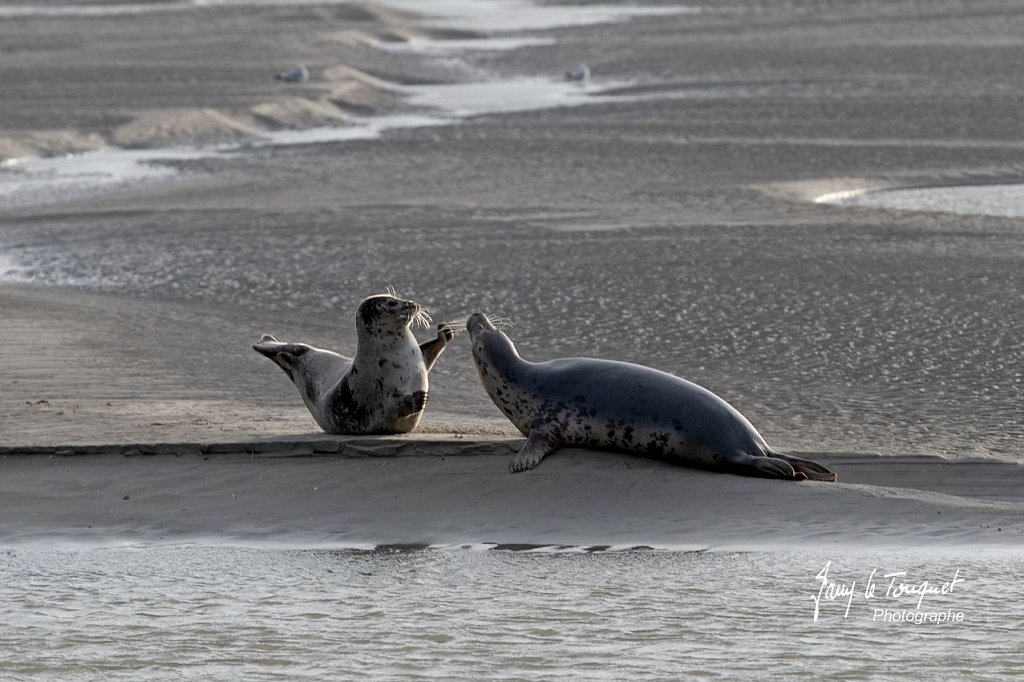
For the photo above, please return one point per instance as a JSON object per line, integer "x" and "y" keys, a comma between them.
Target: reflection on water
{"x": 222, "y": 613}
{"x": 480, "y": 15}
{"x": 33, "y": 181}
{"x": 527, "y": 15}
{"x": 1003, "y": 200}
{"x": 8, "y": 267}
{"x": 430, "y": 46}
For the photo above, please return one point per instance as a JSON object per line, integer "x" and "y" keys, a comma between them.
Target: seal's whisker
{"x": 460, "y": 321}
{"x": 422, "y": 318}
{"x": 500, "y": 323}
{"x": 458, "y": 325}
{"x": 390, "y": 291}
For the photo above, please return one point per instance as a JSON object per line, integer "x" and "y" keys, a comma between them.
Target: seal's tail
{"x": 812, "y": 470}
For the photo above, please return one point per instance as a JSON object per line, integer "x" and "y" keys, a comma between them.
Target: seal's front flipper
{"x": 538, "y": 446}
{"x": 408, "y": 405}
{"x": 812, "y": 470}
{"x": 432, "y": 349}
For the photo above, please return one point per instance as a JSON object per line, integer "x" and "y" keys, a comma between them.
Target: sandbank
{"x": 674, "y": 224}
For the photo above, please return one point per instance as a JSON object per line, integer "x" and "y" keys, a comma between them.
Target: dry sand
{"x": 103, "y": 371}
{"x": 677, "y": 232}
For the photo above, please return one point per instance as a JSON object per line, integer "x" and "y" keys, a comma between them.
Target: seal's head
{"x": 489, "y": 341}
{"x": 387, "y": 315}
{"x": 477, "y": 324}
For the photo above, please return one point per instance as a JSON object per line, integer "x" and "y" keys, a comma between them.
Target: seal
{"x": 579, "y": 73}
{"x": 609, "y": 405}
{"x": 384, "y": 388}
{"x": 296, "y": 74}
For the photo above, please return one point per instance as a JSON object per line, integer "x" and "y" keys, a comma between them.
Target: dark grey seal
{"x": 296, "y": 74}
{"x": 384, "y": 388}
{"x": 580, "y": 73}
{"x": 608, "y": 405}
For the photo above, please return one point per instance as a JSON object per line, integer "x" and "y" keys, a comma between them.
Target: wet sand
{"x": 173, "y": 76}
{"x": 457, "y": 492}
{"x": 677, "y": 231}
{"x": 208, "y": 447}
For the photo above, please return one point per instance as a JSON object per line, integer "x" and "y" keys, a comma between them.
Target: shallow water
{"x": 998, "y": 200}
{"x": 528, "y": 15}
{"x": 230, "y": 613}
{"x": 37, "y": 181}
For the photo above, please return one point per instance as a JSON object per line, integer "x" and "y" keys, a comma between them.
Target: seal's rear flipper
{"x": 764, "y": 467}
{"x": 812, "y": 470}
{"x": 538, "y": 446}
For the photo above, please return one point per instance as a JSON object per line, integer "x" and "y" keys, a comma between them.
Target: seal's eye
{"x": 392, "y": 303}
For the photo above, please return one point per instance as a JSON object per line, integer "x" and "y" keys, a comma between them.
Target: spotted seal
{"x": 608, "y": 405}
{"x": 384, "y": 388}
